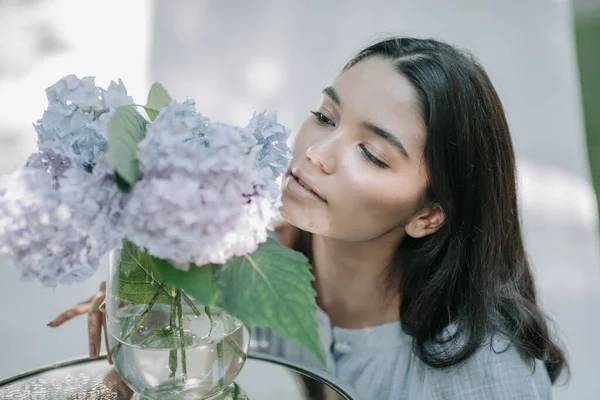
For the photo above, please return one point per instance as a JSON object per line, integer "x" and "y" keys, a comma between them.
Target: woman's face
{"x": 361, "y": 151}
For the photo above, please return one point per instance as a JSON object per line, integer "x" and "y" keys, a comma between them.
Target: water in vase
{"x": 193, "y": 360}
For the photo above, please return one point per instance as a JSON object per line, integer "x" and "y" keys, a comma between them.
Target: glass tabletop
{"x": 262, "y": 378}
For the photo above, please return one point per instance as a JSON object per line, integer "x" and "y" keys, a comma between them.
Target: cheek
{"x": 303, "y": 139}
{"x": 382, "y": 203}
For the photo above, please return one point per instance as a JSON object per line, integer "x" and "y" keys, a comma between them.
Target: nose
{"x": 321, "y": 154}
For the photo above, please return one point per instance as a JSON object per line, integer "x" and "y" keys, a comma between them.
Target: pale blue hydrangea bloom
{"x": 71, "y": 125}
{"x": 115, "y": 96}
{"x": 271, "y": 149}
{"x": 197, "y": 201}
{"x": 59, "y": 235}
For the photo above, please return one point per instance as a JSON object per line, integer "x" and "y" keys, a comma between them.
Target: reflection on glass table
{"x": 262, "y": 378}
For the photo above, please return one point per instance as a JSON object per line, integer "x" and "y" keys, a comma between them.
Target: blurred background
{"x": 234, "y": 57}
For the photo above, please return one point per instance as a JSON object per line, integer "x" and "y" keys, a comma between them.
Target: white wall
{"x": 234, "y": 58}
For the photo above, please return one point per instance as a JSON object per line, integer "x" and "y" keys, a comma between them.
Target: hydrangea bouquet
{"x": 187, "y": 202}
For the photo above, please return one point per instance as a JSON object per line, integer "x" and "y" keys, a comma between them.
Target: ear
{"x": 425, "y": 222}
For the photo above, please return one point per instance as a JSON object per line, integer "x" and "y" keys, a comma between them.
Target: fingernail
{"x": 92, "y": 351}
{"x": 50, "y": 324}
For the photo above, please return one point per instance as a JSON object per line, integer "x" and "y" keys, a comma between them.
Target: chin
{"x": 304, "y": 218}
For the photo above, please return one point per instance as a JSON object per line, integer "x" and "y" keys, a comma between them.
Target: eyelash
{"x": 324, "y": 120}
{"x": 371, "y": 158}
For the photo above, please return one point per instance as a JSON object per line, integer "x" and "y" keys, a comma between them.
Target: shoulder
{"x": 497, "y": 371}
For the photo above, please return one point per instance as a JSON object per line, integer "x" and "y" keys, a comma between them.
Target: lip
{"x": 296, "y": 188}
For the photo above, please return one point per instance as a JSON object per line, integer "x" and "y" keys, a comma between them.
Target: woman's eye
{"x": 322, "y": 119}
{"x": 371, "y": 158}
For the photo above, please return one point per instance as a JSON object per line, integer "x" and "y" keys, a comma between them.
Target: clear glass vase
{"x": 164, "y": 344}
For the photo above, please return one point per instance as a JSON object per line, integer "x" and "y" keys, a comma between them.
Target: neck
{"x": 352, "y": 281}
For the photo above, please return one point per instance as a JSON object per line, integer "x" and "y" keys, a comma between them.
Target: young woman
{"x": 401, "y": 191}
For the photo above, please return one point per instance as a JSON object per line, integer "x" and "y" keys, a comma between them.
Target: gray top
{"x": 378, "y": 363}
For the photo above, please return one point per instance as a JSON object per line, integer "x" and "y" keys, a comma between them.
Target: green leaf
{"x": 272, "y": 287}
{"x": 126, "y": 128}
{"x": 124, "y": 186}
{"x": 198, "y": 282}
{"x": 137, "y": 278}
{"x": 157, "y": 99}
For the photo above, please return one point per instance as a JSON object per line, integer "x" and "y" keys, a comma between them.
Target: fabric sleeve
{"x": 498, "y": 372}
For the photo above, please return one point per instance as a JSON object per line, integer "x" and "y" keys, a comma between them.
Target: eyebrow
{"x": 387, "y": 137}
{"x": 332, "y": 94}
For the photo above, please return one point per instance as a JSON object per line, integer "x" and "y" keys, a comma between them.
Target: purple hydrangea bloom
{"x": 53, "y": 163}
{"x": 207, "y": 192}
{"x": 197, "y": 201}
{"x": 59, "y": 235}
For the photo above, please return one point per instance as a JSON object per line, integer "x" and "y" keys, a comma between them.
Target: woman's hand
{"x": 94, "y": 308}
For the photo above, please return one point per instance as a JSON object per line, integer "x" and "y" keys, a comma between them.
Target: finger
{"x": 95, "y": 325}
{"x": 71, "y": 312}
{"x": 108, "y": 355}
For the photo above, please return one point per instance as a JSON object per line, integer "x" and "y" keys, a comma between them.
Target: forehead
{"x": 374, "y": 91}
{"x": 376, "y": 74}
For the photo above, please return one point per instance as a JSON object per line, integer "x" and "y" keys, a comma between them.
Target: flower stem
{"x": 207, "y": 311}
{"x": 140, "y": 320}
{"x": 220, "y": 361}
{"x": 191, "y": 304}
{"x": 198, "y": 313}
{"x": 172, "y": 363}
{"x": 181, "y": 335}
{"x": 144, "y": 107}
{"x": 172, "y": 325}
{"x": 219, "y": 348}
{"x": 236, "y": 348}
{"x": 98, "y": 113}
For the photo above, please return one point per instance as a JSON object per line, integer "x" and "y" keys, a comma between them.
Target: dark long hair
{"x": 472, "y": 274}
